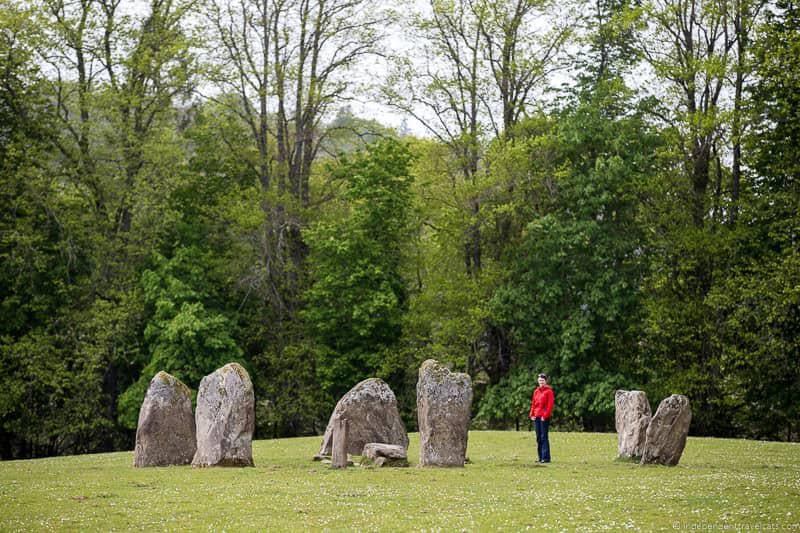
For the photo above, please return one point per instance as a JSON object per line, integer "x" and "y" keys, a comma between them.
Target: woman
{"x": 541, "y": 409}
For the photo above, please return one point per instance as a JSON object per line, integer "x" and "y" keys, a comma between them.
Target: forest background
{"x": 603, "y": 190}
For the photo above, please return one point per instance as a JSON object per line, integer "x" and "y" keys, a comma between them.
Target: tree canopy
{"x": 606, "y": 191}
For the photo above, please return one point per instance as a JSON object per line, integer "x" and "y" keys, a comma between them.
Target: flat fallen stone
{"x": 380, "y": 454}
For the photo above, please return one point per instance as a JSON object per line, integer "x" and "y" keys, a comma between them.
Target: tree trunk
{"x": 736, "y": 124}
{"x": 701, "y": 158}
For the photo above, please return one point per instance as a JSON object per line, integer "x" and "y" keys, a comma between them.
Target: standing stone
{"x": 444, "y": 400}
{"x": 165, "y": 434}
{"x": 339, "y": 455}
{"x": 372, "y": 415}
{"x": 632, "y": 418}
{"x": 225, "y": 418}
{"x": 667, "y": 432}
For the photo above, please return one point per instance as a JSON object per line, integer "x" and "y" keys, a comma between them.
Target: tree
{"x": 691, "y": 47}
{"x": 571, "y": 301}
{"x": 280, "y": 66}
{"x": 519, "y": 56}
{"x": 756, "y": 307}
{"x": 756, "y": 310}
{"x": 358, "y": 297}
{"x": 483, "y": 63}
{"x": 95, "y": 185}
{"x": 478, "y": 70}
{"x": 775, "y": 131}
{"x": 608, "y": 43}
{"x": 687, "y": 47}
{"x": 34, "y": 278}
{"x": 185, "y": 335}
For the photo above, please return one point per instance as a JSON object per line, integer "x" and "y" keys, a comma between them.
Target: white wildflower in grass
{"x": 718, "y": 481}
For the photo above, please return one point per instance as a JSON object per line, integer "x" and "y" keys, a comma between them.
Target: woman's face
{"x": 542, "y": 382}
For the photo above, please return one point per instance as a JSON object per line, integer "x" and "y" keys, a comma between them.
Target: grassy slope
{"x": 723, "y": 482}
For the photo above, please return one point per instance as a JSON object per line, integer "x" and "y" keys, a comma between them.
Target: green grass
{"x": 719, "y": 483}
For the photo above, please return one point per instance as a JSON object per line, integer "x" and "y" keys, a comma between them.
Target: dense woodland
{"x": 604, "y": 190}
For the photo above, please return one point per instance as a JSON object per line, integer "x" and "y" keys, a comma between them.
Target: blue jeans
{"x": 542, "y": 440}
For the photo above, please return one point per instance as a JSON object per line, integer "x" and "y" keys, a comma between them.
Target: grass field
{"x": 720, "y": 485}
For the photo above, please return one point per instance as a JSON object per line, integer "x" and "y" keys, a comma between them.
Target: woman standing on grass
{"x": 541, "y": 409}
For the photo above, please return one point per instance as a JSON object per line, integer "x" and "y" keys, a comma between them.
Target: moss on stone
{"x": 174, "y": 383}
{"x": 239, "y": 369}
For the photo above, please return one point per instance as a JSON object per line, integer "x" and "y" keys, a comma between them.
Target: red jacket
{"x": 542, "y": 402}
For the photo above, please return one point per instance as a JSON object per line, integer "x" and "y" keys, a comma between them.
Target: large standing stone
{"x": 372, "y": 416}
{"x": 165, "y": 434}
{"x": 632, "y": 418}
{"x": 444, "y": 400}
{"x": 225, "y": 418}
{"x": 667, "y": 432}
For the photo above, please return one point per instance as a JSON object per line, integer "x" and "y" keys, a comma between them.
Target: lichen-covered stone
{"x": 225, "y": 418}
{"x": 667, "y": 432}
{"x": 444, "y": 400}
{"x": 632, "y": 418}
{"x": 372, "y": 416}
{"x": 380, "y": 454}
{"x": 165, "y": 434}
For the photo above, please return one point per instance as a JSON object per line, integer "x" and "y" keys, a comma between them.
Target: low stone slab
{"x": 632, "y": 418}
{"x": 225, "y": 418}
{"x": 372, "y": 416}
{"x": 380, "y": 454}
{"x": 667, "y": 432}
{"x": 444, "y": 400}
{"x": 165, "y": 434}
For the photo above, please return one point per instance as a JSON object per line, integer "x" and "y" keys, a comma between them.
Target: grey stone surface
{"x": 444, "y": 400}
{"x": 632, "y": 418}
{"x": 165, "y": 434}
{"x": 339, "y": 451}
{"x": 372, "y": 415}
{"x": 667, "y": 432}
{"x": 380, "y": 454}
{"x": 225, "y": 418}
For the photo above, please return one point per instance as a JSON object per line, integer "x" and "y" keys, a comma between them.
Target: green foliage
{"x": 185, "y": 335}
{"x": 719, "y": 297}
{"x": 571, "y": 301}
{"x": 756, "y": 303}
{"x": 508, "y": 402}
{"x": 610, "y": 41}
{"x": 21, "y": 91}
{"x": 55, "y": 393}
{"x": 54, "y": 401}
{"x": 289, "y": 399}
{"x": 776, "y": 100}
{"x": 611, "y": 242}
{"x": 680, "y": 323}
{"x": 758, "y": 315}
{"x": 357, "y": 298}
{"x": 447, "y": 306}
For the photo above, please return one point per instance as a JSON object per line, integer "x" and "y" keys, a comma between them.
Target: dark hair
{"x": 543, "y": 375}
